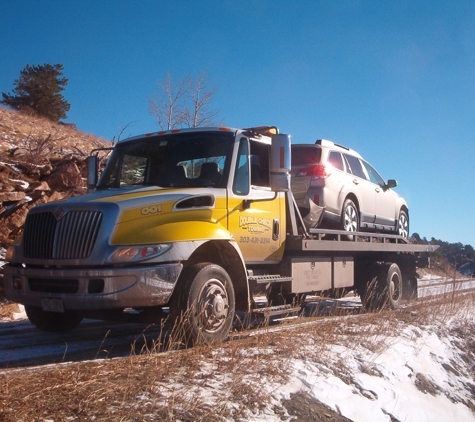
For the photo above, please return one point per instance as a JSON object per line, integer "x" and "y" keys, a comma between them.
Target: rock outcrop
{"x": 40, "y": 161}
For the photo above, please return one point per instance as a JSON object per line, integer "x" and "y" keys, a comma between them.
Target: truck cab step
{"x": 269, "y": 278}
{"x": 277, "y": 310}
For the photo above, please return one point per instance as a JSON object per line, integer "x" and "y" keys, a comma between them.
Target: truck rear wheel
{"x": 53, "y": 321}
{"x": 384, "y": 289}
{"x": 393, "y": 284}
{"x": 206, "y": 304}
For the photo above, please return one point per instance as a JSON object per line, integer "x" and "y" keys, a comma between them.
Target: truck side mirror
{"x": 280, "y": 163}
{"x": 92, "y": 165}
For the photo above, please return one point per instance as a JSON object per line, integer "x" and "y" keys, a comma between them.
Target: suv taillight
{"x": 316, "y": 172}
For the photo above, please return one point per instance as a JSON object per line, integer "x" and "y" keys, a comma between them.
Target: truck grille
{"x": 72, "y": 237}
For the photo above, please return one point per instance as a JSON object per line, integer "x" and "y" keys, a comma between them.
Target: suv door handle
{"x": 377, "y": 190}
{"x": 356, "y": 181}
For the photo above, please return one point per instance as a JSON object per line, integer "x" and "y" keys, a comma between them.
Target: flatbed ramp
{"x": 320, "y": 240}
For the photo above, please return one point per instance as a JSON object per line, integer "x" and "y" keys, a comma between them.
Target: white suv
{"x": 354, "y": 196}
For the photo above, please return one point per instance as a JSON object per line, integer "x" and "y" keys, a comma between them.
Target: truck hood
{"x": 135, "y": 201}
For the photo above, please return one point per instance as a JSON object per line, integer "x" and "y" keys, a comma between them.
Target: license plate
{"x": 52, "y": 305}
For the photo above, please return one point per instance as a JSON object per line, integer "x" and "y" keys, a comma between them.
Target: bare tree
{"x": 200, "y": 96}
{"x": 183, "y": 104}
{"x": 121, "y": 132}
{"x": 167, "y": 105}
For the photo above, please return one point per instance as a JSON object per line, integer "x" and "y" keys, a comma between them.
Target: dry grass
{"x": 17, "y": 130}
{"x": 231, "y": 381}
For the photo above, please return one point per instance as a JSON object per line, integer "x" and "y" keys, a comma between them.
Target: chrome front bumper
{"x": 93, "y": 289}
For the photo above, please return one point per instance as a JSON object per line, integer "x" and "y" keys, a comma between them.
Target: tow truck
{"x": 192, "y": 224}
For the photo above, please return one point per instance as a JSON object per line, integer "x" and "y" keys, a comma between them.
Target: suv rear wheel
{"x": 350, "y": 220}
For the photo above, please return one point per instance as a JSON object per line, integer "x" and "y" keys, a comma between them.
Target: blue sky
{"x": 394, "y": 80}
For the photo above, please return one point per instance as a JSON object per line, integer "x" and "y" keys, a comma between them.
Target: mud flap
{"x": 314, "y": 218}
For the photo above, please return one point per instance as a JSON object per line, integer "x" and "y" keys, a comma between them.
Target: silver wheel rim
{"x": 403, "y": 226}
{"x": 350, "y": 222}
{"x": 213, "y": 306}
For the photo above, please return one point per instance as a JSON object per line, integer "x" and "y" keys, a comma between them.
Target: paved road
{"x": 21, "y": 344}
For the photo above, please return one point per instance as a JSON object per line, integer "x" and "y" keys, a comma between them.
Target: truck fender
{"x": 170, "y": 232}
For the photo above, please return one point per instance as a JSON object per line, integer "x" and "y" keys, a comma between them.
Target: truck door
{"x": 255, "y": 213}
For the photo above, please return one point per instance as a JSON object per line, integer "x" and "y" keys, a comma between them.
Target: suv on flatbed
{"x": 354, "y": 196}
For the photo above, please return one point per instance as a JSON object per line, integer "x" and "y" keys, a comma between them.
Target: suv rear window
{"x": 305, "y": 155}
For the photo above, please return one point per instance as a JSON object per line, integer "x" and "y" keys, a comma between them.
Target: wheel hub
{"x": 214, "y": 305}
{"x": 350, "y": 220}
{"x": 394, "y": 288}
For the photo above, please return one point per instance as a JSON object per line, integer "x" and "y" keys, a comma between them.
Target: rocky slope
{"x": 40, "y": 161}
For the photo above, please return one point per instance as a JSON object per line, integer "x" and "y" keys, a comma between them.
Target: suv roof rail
{"x": 327, "y": 143}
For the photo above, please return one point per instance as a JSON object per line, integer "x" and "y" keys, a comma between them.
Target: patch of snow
{"x": 20, "y": 316}
{"x": 23, "y": 183}
{"x": 390, "y": 391}
{"x": 3, "y": 251}
{"x": 11, "y": 166}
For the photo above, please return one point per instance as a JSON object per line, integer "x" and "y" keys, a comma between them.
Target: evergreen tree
{"x": 38, "y": 90}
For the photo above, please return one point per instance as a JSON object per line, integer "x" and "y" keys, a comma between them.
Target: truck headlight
{"x": 137, "y": 253}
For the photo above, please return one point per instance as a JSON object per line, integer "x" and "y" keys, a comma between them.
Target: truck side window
{"x": 259, "y": 163}
{"x": 241, "y": 175}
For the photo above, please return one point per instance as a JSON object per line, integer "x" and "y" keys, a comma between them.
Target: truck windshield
{"x": 176, "y": 160}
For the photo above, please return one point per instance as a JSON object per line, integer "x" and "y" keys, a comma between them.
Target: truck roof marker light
{"x": 162, "y": 132}
{"x": 149, "y": 134}
{"x": 225, "y": 129}
{"x": 263, "y": 130}
{"x": 176, "y": 130}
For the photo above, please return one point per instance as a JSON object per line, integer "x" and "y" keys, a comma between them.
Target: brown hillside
{"x": 18, "y": 130}
{"x": 40, "y": 161}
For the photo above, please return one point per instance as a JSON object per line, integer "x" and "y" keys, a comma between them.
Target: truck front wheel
{"x": 206, "y": 304}
{"x": 52, "y": 321}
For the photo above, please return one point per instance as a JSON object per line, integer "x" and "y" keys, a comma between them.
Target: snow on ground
{"x": 416, "y": 376}
{"x": 24, "y": 185}
{"x": 384, "y": 387}
{"x": 411, "y": 373}
{"x": 3, "y": 251}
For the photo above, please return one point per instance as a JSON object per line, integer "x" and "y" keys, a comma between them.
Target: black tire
{"x": 393, "y": 285}
{"x": 384, "y": 289}
{"x": 206, "y": 304}
{"x": 54, "y": 322}
{"x": 350, "y": 218}
{"x": 403, "y": 224}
